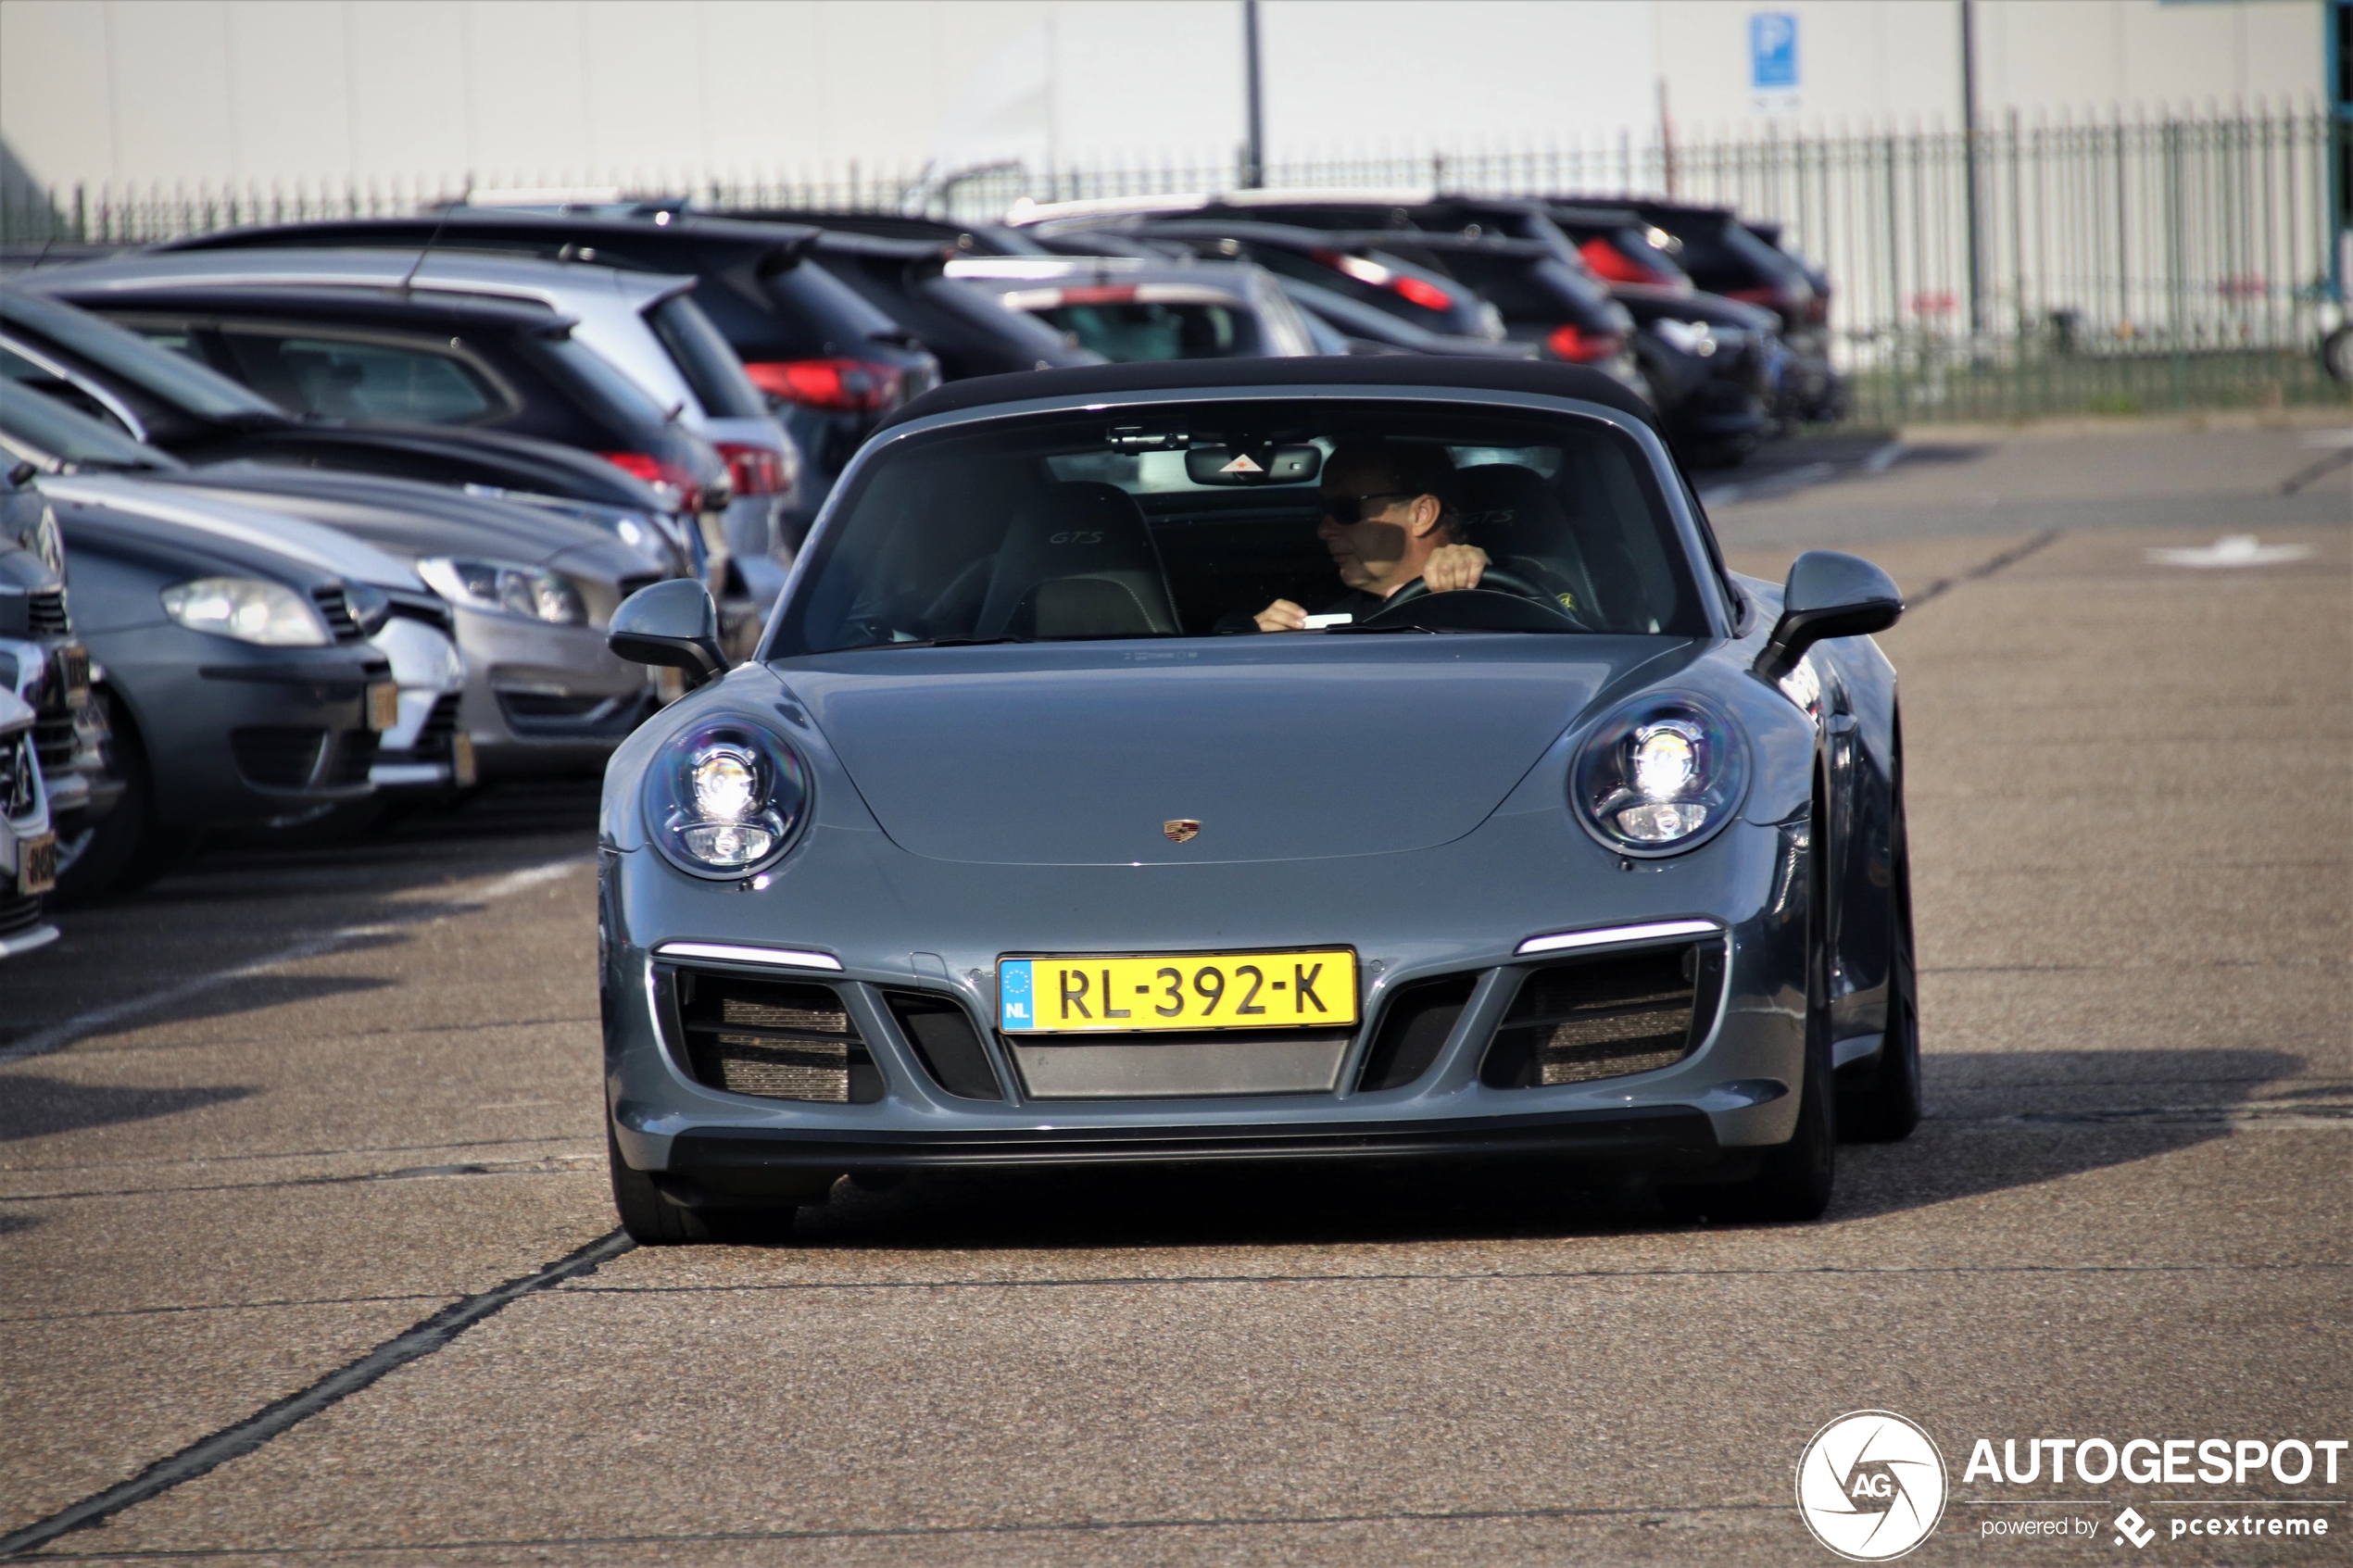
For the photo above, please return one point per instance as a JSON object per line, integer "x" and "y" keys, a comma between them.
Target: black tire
{"x": 653, "y": 1220}
{"x": 1796, "y": 1180}
{"x": 1887, "y": 1108}
{"x": 126, "y": 848}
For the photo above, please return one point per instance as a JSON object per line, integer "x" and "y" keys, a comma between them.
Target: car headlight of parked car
{"x": 248, "y": 608}
{"x": 726, "y": 798}
{"x": 504, "y": 588}
{"x": 1660, "y": 775}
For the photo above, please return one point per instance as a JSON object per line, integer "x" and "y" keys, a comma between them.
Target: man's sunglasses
{"x": 1355, "y": 511}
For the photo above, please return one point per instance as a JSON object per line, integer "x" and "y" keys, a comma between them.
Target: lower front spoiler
{"x": 748, "y": 1165}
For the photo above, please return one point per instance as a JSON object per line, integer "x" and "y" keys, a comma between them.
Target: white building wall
{"x": 662, "y": 92}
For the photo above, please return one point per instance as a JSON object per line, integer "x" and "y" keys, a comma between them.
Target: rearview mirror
{"x": 1828, "y": 595}
{"x": 673, "y": 624}
{"x": 1252, "y": 465}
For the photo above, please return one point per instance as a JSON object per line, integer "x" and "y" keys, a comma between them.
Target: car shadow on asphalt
{"x": 37, "y": 1106}
{"x": 1980, "y": 1139}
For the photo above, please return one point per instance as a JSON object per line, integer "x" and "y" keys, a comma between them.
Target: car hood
{"x": 233, "y": 528}
{"x": 405, "y": 518}
{"x": 1283, "y": 748}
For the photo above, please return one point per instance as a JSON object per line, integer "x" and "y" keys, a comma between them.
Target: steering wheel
{"x": 1491, "y": 577}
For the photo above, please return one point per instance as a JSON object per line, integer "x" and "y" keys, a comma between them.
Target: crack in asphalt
{"x": 241, "y": 1438}
{"x": 283, "y": 1154}
{"x": 1435, "y": 1277}
{"x": 1985, "y": 568}
{"x": 1658, "y": 1513}
{"x": 552, "y": 1165}
{"x": 97, "y": 1313}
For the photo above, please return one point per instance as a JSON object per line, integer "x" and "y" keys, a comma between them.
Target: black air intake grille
{"x": 17, "y": 776}
{"x": 437, "y": 736}
{"x": 776, "y": 1039}
{"x": 1415, "y": 1024}
{"x": 337, "y": 610}
{"x": 276, "y": 755}
{"x": 355, "y": 754}
{"x": 944, "y": 1037}
{"x": 17, "y": 913}
{"x": 55, "y": 740}
{"x": 46, "y": 613}
{"x": 1607, "y": 1016}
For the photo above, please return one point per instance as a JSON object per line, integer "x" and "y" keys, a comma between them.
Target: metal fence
{"x": 2122, "y": 264}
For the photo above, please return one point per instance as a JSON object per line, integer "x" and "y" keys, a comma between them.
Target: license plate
{"x": 384, "y": 705}
{"x": 1090, "y": 994}
{"x": 462, "y": 759}
{"x": 73, "y": 674}
{"x": 36, "y": 864}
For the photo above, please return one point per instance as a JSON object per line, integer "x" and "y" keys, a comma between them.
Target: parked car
{"x": 28, "y": 845}
{"x": 1153, "y": 953}
{"x": 231, "y": 649}
{"x": 969, "y": 331}
{"x": 1358, "y": 328}
{"x": 828, "y": 363}
{"x": 644, "y": 324}
{"x": 1125, "y": 309}
{"x": 44, "y": 663}
{"x": 531, "y": 594}
{"x": 174, "y": 401}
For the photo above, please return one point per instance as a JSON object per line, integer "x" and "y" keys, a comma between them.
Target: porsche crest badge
{"x": 1180, "y": 829}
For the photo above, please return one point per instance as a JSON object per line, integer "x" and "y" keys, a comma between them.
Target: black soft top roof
{"x": 1189, "y": 375}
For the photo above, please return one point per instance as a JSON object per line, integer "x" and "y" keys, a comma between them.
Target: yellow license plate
{"x": 1087, "y": 994}
{"x": 384, "y": 705}
{"x": 36, "y": 864}
{"x": 461, "y": 760}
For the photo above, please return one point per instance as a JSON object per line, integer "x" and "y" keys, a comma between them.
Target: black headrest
{"x": 1077, "y": 560}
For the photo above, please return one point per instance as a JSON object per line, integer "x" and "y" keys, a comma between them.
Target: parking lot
{"x": 259, "y": 1121}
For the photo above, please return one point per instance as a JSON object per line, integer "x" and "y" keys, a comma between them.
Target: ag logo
{"x": 1870, "y": 1486}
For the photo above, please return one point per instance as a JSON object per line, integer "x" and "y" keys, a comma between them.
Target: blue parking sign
{"x": 1772, "y": 50}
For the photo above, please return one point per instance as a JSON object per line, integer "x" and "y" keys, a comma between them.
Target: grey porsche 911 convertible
{"x": 1265, "y": 760}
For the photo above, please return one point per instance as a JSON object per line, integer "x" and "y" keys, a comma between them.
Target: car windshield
{"x": 1125, "y": 328}
{"x": 34, "y": 423}
{"x": 1191, "y": 520}
{"x": 195, "y": 389}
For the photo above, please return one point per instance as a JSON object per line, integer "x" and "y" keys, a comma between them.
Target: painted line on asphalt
{"x": 57, "y": 1037}
{"x": 245, "y": 1436}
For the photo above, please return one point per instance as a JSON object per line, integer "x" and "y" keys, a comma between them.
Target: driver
{"x": 1390, "y": 515}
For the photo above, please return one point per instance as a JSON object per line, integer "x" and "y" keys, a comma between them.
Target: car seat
{"x": 1512, "y": 513}
{"x": 1078, "y": 561}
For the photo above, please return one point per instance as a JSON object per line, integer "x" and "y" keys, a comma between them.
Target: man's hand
{"x": 1282, "y": 615}
{"x": 1451, "y": 567}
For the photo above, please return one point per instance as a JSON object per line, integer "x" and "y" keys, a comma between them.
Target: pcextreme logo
{"x": 1870, "y": 1486}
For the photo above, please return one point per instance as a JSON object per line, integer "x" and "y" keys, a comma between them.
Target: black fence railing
{"x": 2122, "y": 264}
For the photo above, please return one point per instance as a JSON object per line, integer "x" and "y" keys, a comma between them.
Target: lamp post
{"x": 1254, "y": 148}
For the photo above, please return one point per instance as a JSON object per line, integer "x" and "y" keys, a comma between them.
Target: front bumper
{"x": 544, "y": 698}
{"x": 1704, "y": 1117}
{"x": 236, "y": 735}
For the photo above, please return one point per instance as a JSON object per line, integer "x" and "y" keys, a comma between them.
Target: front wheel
{"x": 653, "y": 1220}
{"x": 1888, "y": 1108}
{"x": 1794, "y": 1182}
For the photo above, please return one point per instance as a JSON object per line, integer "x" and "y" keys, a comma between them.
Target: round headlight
{"x": 726, "y": 798}
{"x": 1659, "y": 776}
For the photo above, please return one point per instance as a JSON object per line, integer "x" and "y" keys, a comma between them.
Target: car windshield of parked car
{"x": 35, "y": 426}
{"x": 197, "y": 390}
{"x": 1190, "y": 519}
{"x": 1126, "y": 329}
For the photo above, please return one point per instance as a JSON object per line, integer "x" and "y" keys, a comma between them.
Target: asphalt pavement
{"x": 303, "y": 1229}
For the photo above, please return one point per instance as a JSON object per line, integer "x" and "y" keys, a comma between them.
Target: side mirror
{"x": 1829, "y": 594}
{"x": 670, "y": 623}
